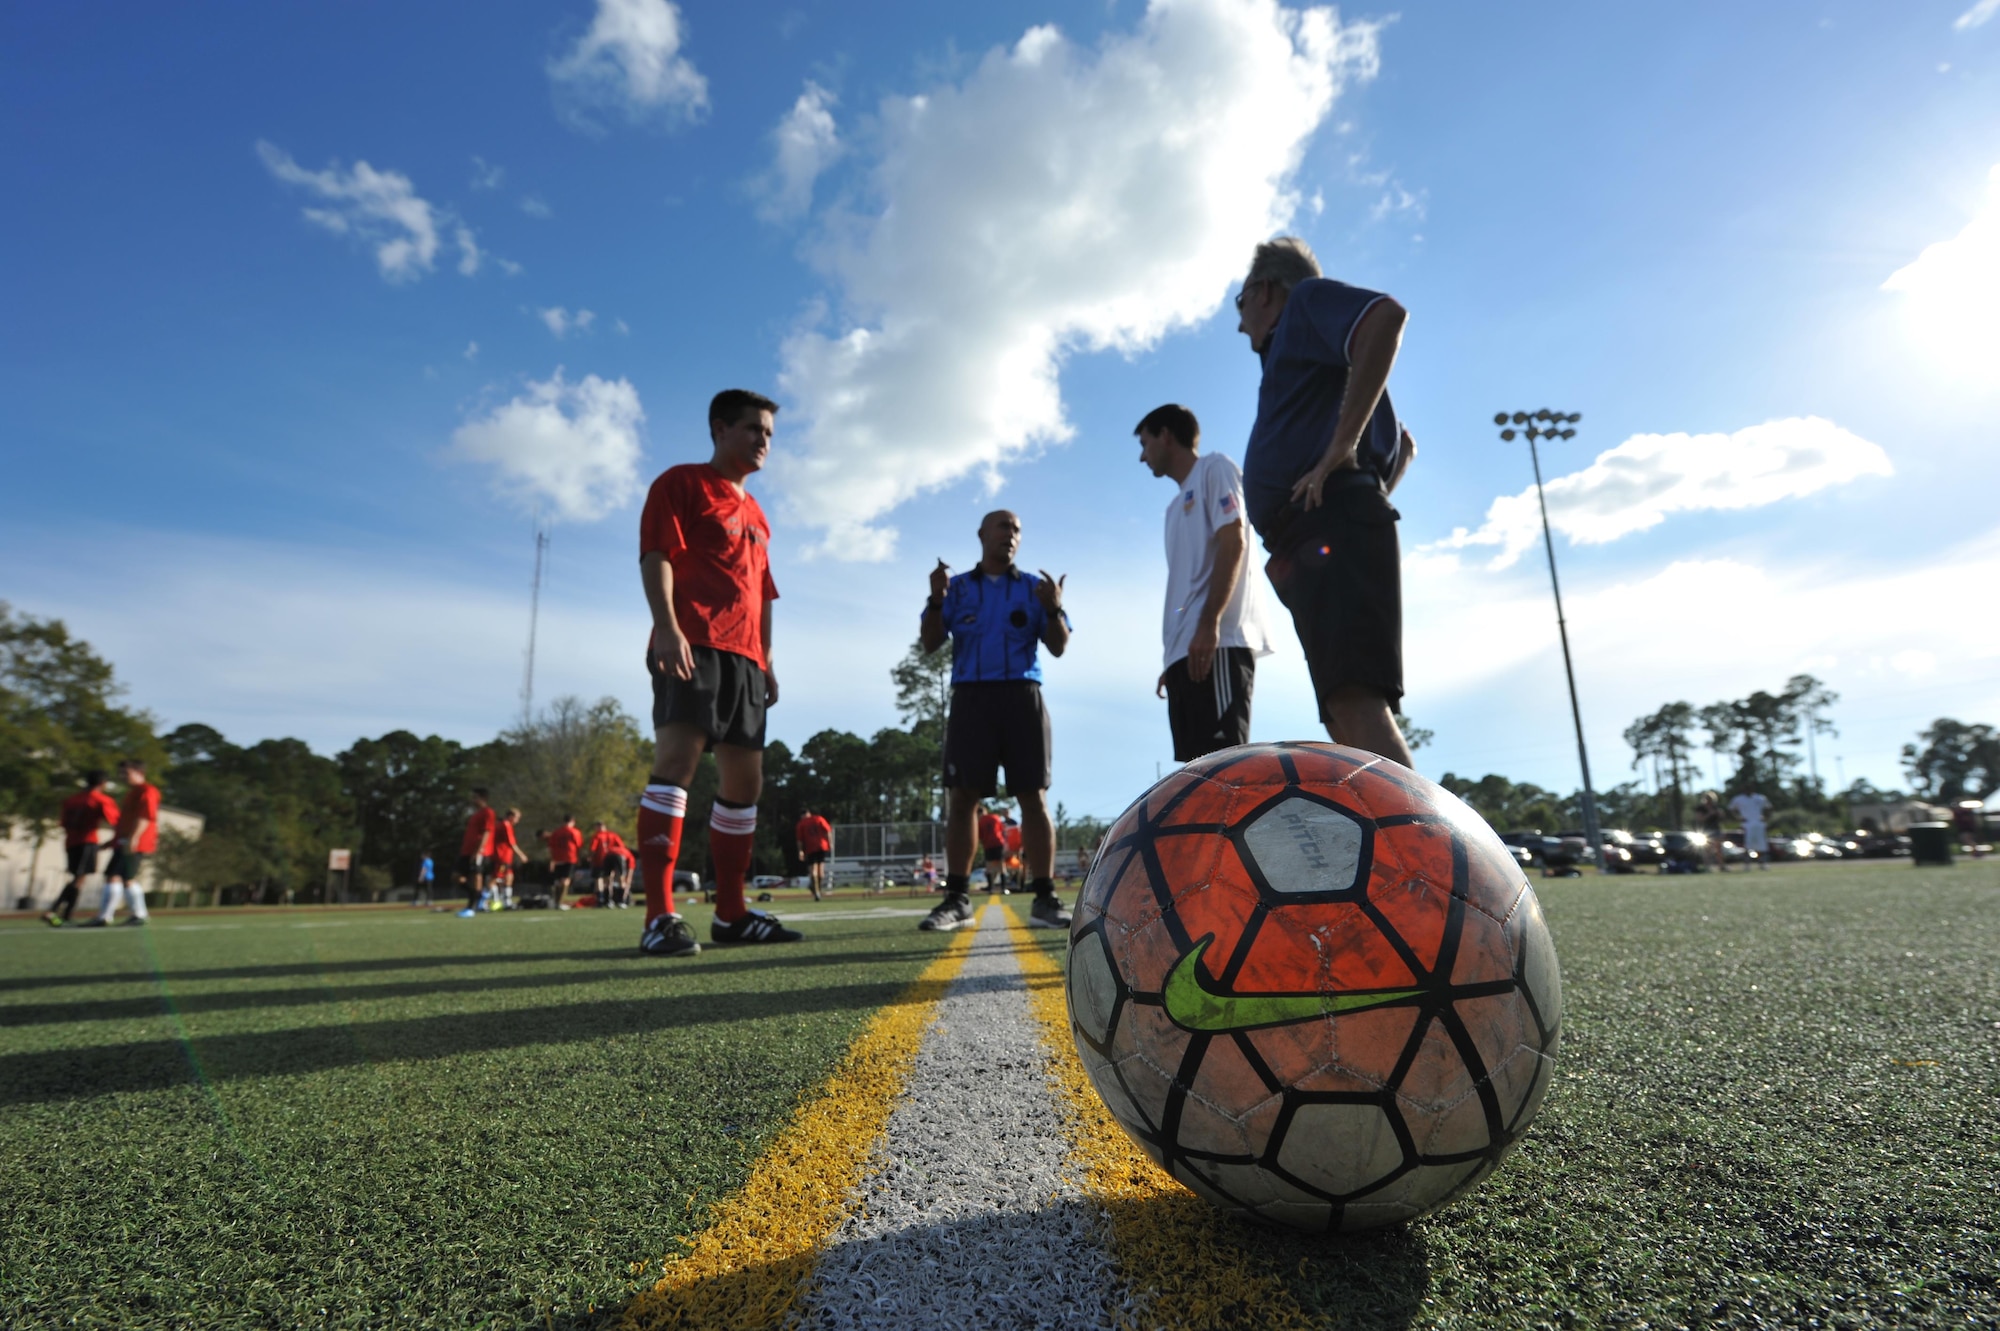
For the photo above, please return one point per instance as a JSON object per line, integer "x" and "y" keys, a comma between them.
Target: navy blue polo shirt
{"x": 1305, "y": 376}
{"x": 995, "y": 624}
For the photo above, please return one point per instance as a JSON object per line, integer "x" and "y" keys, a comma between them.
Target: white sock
{"x": 135, "y": 897}
{"x": 114, "y": 897}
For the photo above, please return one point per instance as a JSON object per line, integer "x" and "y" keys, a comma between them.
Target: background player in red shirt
{"x": 82, "y": 814}
{"x": 612, "y": 864}
{"x": 993, "y": 840}
{"x": 564, "y": 844}
{"x": 704, "y": 562}
{"x": 1010, "y": 832}
{"x": 138, "y": 836}
{"x": 506, "y": 849}
{"x": 473, "y": 849}
{"x": 815, "y": 838}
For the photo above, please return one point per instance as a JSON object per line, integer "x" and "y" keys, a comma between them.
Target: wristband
{"x": 934, "y": 603}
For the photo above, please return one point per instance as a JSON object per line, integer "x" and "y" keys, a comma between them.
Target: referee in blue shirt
{"x": 996, "y": 616}
{"x": 1324, "y": 454}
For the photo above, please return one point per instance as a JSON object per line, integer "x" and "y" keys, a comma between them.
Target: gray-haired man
{"x": 1324, "y": 454}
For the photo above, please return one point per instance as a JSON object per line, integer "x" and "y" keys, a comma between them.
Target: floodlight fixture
{"x": 1590, "y": 828}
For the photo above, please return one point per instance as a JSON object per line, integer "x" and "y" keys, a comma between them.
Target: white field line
{"x": 970, "y": 1218}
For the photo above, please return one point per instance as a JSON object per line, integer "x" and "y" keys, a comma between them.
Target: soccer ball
{"x": 1313, "y": 986}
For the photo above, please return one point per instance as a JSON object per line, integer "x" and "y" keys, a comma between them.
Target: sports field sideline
{"x": 1776, "y": 1105}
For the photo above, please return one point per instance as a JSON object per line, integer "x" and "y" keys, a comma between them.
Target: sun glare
{"x": 1952, "y": 295}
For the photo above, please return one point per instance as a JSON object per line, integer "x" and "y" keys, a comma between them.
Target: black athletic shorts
{"x": 125, "y": 865}
{"x": 470, "y": 865}
{"x": 993, "y": 726}
{"x": 615, "y": 863}
{"x": 725, "y": 699}
{"x": 1338, "y": 569}
{"x": 83, "y": 860}
{"x": 1215, "y": 713}
{"x": 814, "y": 857}
{"x": 560, "y": 873}
{"x": 995, "y": 854}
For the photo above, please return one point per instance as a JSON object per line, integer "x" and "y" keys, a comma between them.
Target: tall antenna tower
{"x": 534, "y": 619}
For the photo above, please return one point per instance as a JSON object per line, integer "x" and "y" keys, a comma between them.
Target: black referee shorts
{"x": 724, "y": 700}
{"x": 992, "y": 726}
{"x": 1214, "y": 713}
{"x": 83, "y": 859}
{"x": 1339, "y": 570}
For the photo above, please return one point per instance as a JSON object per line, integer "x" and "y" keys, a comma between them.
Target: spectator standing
{"x": 473, "y": 848}
{"x": 1754, "y": 810}
{"x": 426, "y": 876}
{"x": 565, "y": 843}
{"x": 1708, "y": 817}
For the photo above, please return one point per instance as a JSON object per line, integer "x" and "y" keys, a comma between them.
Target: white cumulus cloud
{"x": 1059, "y": 198}
{"x": 573, "y": 447}
{"x": 1976, "y": 16}
{"x": 804, "y": 144}
{"x": 1636, "y": 485}
{"x": 378, "y": 208}
{"x": 630, "y": 61}
{"x": 562, "y": 323}
{"x": 1952, "y": 293}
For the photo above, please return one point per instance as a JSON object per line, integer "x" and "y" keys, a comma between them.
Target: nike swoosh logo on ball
{"x": 1193, "y": 1005}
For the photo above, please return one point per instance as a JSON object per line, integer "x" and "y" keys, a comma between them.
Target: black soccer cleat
{"x": 754, "y": 927}
{"x": 669, "y": 936}
{"x": 954, "y": 912}
{"x": 1048, "y": 913}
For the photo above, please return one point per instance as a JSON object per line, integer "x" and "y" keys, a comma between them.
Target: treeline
{"x": 274, "y": 809}
{"x": 1765, "y": 742}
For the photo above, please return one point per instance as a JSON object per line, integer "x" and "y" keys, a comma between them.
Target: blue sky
{"x": 276, "y": 425}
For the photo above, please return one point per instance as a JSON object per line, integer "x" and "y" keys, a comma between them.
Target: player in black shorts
{"x": 996, "y": 616}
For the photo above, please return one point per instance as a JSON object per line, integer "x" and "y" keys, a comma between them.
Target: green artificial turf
{"x": 1775, "y": 1106}
{"x": 392, "y": 1119}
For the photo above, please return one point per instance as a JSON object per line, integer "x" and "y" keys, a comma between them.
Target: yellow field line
{"x": 749, "y": 1267}
{"x": 1177, "y": 1255}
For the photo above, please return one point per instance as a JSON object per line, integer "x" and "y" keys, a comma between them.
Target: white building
{"x": 31, "y": 875}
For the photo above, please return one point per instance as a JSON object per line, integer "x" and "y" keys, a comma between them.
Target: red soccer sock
{"x": 661, "y": 809}
{"x": 732, "y": 829}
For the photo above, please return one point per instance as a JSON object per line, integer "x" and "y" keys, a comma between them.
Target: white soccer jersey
{"x": 1209, "y": 500}
{"x": 1751, "y": 809}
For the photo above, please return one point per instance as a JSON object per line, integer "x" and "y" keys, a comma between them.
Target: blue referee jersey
{"x": 995, "y": 625}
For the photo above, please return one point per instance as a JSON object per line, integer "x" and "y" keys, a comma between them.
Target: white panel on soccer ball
{"x": 1427, "y": 1186}
{"x": 1147, "y": 1085}
{"x": 1093, "y": 987}
{"x": 1209, "y": 1128}
{"x": 1453, "y": 1130}
{"x": 1301, "y": 845}
{"x": 1340, "y": 1148}
{"x": 1521, "y": 1083}
{"x": 1539, "y": 969}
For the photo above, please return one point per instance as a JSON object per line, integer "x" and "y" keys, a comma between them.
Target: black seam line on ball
{"x": 1251, "y": 928}
{"x": 1248, "y": 1048}
{"x": 1475, "y": 1065}
{"x": 1418, "y": 971}
{"x": 1177, "y": 1090}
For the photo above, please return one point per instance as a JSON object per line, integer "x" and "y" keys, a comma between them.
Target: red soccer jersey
{"x": 564, "y": 843}
{"x": 141, "y": 805}
{"x": 504, "y": 844}
{"x": 83, "y": 813}
{"x": 717, "y": 540}
{"x": 814, "y": 833}
{"x": 478, "y": 839}
{"x": 991, "y": 831}
{"x": 605, "y": 843}
{"x": 1014, "y": 838}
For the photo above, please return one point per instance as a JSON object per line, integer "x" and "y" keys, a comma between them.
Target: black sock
{"x": 1043, "y": 887}
{"x": 958, "y": 884}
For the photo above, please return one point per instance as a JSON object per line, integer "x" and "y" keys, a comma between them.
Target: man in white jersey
{"x": 1214, "y": 627}
{"x": 1753, "y": 808}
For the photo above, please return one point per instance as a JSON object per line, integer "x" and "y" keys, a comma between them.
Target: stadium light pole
{"x": 1546, "y": 424}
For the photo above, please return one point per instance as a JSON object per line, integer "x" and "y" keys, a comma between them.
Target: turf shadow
{"x": 139, "y": 974}
{"x": 1376, "y": 1281}
{"x": 147, "y": 1065}
{"x": 157, "y": 1004}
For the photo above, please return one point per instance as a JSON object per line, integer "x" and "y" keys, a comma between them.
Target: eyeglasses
{"x": 1244, "y": 294}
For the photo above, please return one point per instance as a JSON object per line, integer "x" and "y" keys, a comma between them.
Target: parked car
{"x": 1625, "y": 852}
{"x": 1686, "y": 852}
{"x": 766, "y": 880}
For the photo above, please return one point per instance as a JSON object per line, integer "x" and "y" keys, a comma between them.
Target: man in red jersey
{"x": 137, "y": 836}
{"x": 815, "y": 838}
{"x": 705, "y": 566}
{"x": 473, "y": 849}
{"x": 1011, "y": 834}
{"x": 564, "y": 844}
{"x": 993, "y": 841}
{"x": 612, "y": 864}
{"x": 82, "y": 814}
{"x": 505, "y": 850}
